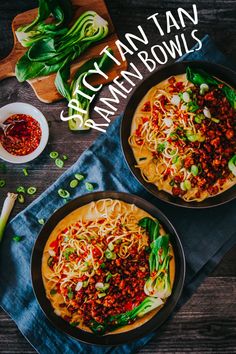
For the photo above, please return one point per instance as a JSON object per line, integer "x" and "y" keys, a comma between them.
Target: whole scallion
{"x": 6, "y": 210}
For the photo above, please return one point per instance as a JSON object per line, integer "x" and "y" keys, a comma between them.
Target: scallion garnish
{"x": 17, "y": 238}
{"x": 59, "y": 163}
{"x": 25, "y": 172}
{"x": 79, "y": 177}
{"x": 20, "y": 189}
{"x": 31, "y": 190}
{"x": 74, "y": 183}
{"x": 63, "y": 193}
{"x": 21, "y": 198}
{"x": 2, "y": 183}
{"x": 54, "y": 154}
{"x": 89, "y": 186}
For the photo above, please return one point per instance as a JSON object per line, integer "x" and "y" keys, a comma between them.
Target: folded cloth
{"x": 206, "y": 235}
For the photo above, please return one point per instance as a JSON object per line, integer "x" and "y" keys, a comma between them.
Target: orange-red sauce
{"x": 23, "y": 138}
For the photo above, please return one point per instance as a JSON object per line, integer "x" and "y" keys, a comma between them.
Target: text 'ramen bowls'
{"x": 110, "y": 264}
{"x": 179, "y": 134}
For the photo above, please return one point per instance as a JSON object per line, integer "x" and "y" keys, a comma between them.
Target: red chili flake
{"x": 23, "y": 139}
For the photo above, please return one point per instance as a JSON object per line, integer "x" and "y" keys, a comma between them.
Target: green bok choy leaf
{"x": 48, "y": 55}
{"x": 60, "y": 10}
{"x": 70, "y": 91}
{"x": 199, "y": 77}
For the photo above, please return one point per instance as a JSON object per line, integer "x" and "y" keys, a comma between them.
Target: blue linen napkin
{"x": 206, "y": 235}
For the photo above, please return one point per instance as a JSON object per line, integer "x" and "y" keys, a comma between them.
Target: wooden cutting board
{"x": 44, "y": 87}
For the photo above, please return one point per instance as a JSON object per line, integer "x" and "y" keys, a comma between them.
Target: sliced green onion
{"x": 21, "y": 198}
{"x": 20, "y": 189}
{"x": 6, "y": 211}
{"x": 2, "y": 183}
{"x": 31, "y": 190}
{"x": 41, "y": 221}
{"x": 110, "y": 246}
{"x": 175, "y": 159}
{"x": 186, "y": 185}
{"x": 103, "y": 266}
{"x": 65, "y": 157}
{"x": 215, "y": 120}
{"x": 25, "y": 172}
{"x": 59, "y": 163}
{"x": 172, "y": 183}
{"x": 232, "y": 165}
{"x": 89, "y": 186}
{"x": 198, "y": 118}
{"x": 108, "y": 277}
{"x": 203, "y": 89}
{"x": 101, "y": 295}
{"x": 53, "y": 154}
{"x": 70, "y": 294}
{"x": 79, "y": 177}
{"x": 161, "y": 147}
{"x": 63, "y": 193}
{"x": 109, "y": 254}
{"x": 194, "y": 170}
{"x": 17, "y": 238}
{"x": 74, "y": 183}
{"x": 53, "y": 291}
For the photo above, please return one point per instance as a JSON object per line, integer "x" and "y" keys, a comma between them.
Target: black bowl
{"x": 221, "y": 72}
{"x": 111, "y": 339}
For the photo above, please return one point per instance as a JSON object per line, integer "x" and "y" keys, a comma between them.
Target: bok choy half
{"x": 49, "y": 54}
{"x": 158, "y": 284}
{"x": 69, "y": 90}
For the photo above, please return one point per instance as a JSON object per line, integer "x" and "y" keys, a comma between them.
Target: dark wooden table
{"x": 207, "y": 323}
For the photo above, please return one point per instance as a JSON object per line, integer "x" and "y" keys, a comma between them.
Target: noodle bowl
{"x": 183, "y": 139}
{"x": 97, "y": 266}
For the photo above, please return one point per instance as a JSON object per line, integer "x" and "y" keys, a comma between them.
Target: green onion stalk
{"x": 6, "y": 211}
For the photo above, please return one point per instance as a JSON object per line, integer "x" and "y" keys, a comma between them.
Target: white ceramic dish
{"x": 24, "y": 108}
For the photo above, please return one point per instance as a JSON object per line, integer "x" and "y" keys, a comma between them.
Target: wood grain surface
{"x": 207, "y": 322}
{"x": 44, "y": 87}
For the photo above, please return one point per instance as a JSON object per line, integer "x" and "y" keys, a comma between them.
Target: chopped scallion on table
{"x": 31, "y": 190}
{"x": 53, "y": 154}
{"x": 41, "y": 221}
{"x": 20, "y": 189}
{"x": 2, "y": 183}
{"x": 17, "y": 238}
{"x": 74, "y": 183}
{"x": 59, "y": 163}
{"x": 89, "y": 186}
{"x": 21, "y": 198}
{"x": 25, "y": 172}
{"x": 63, "y": 193}
{"x": 65, "y": 157}
{"x": 79, "y": 177}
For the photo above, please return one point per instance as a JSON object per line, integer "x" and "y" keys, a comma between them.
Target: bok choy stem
{"x": 6, "y": 210}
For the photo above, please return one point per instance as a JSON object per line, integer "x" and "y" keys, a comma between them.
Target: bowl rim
{"x": 209, "y": 202}
{"x": 112, "y": 339}
{"x": 44, "y": 138}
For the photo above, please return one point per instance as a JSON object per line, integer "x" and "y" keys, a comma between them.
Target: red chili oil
{"x": 23, "y": 138}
